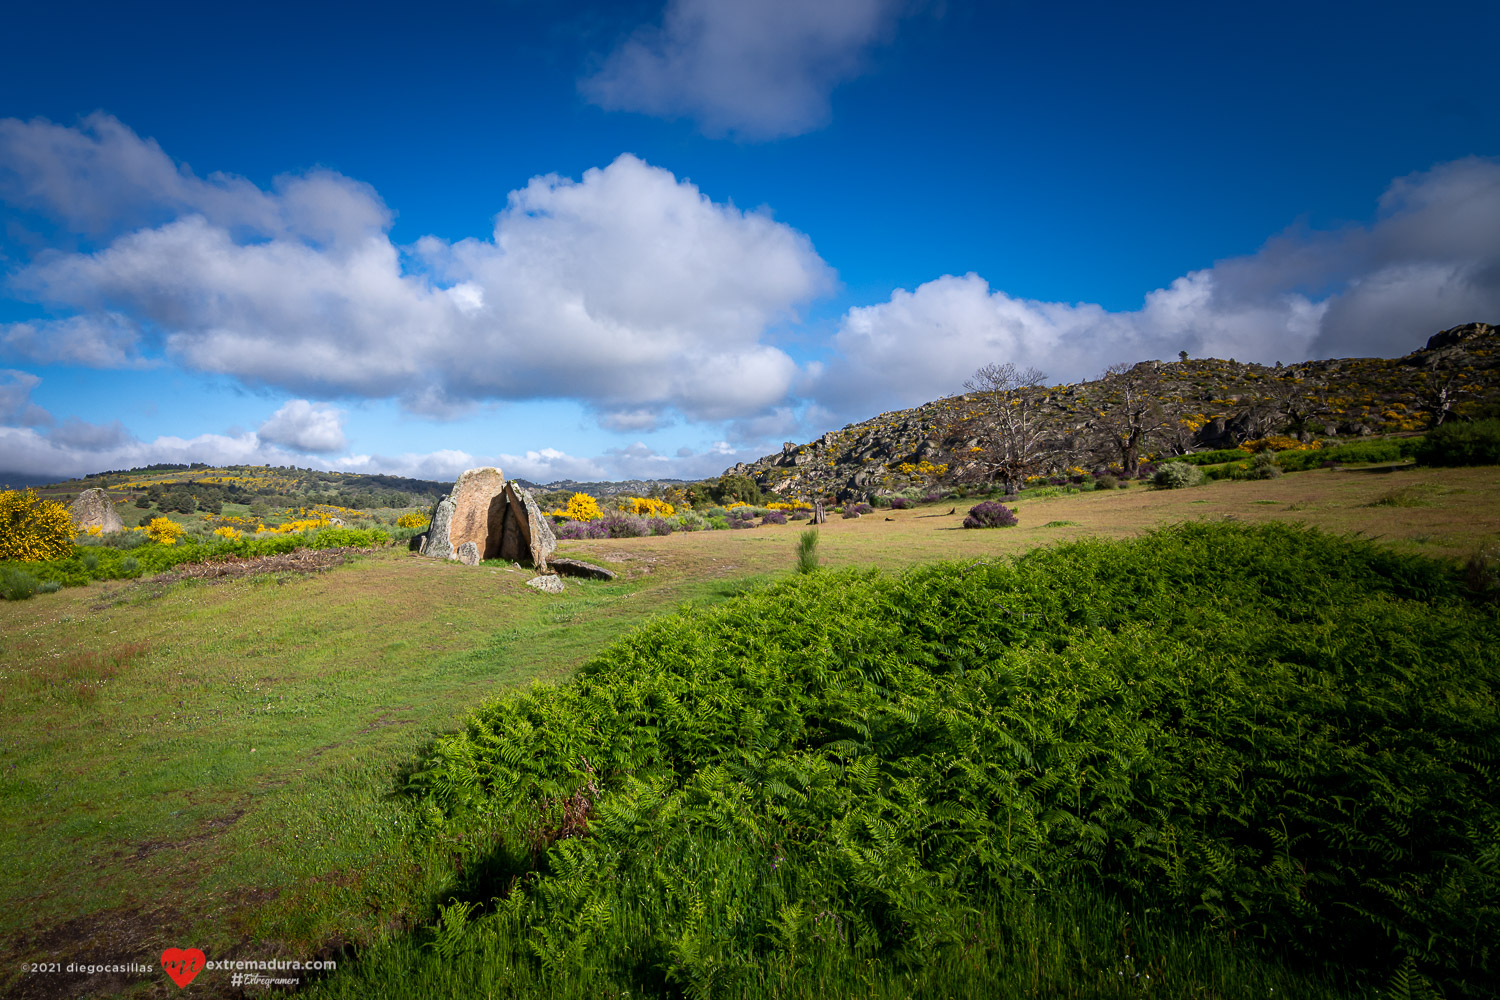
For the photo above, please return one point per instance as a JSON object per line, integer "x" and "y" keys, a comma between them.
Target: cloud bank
{"x": 757, "y": 71}
{"x": 1429, "y": 260}
{"x": 628, "y": 289}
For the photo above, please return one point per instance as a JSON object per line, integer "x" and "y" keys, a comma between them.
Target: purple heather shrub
{"x": 900, "y": 503}
{"x": 801, "y": 514}
{"x": 861, "y": 508}
{"x": 739, "y": 522}
{"x": 659, "y": 526}
{"x": 623, "y": 526}
{"x": 931, "y": 497}
{"x": 1077, "y": 479}
{"x": 572, "y": 531}
{"x": 773, "y": 517}
{"x": 850, "y": 513}
{"x": 742, "y": 514}
{"x": 990, "y": 514}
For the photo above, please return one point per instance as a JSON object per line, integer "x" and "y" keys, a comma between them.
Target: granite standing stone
{"x": 94, "y": 509}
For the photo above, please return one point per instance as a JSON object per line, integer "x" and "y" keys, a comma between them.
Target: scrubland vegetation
{"x": 1270, "y": 745}
{"x": 1218, "y": 759}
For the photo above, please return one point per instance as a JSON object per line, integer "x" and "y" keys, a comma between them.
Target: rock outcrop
{"x": 487, "y": 518}
{"x": 1211, "y": 403}
{"x": 577, "y": 567}
{"x": 94, "y": 509}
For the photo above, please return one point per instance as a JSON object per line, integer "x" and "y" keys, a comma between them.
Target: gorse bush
{"x": 33, "y": 529}
{"x": 1458, "y": 443}
{"x": 1286, "y": 735}
{"x": 164, "y": 531}
{"x": 107, "y": 563}
{"x": 990, "y": 514}
{"x": 1176, "y": 475}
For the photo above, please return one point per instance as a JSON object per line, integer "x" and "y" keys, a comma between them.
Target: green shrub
{"x": 1176, "y": 475}
{"x": 1214, "y": 457}
{"x": 17, "y": 584}
{"x": 1286, "y": 735}
{"x": 807, "y": 550}
{"x": 1105, "y": 482}
{"x": 1458, "y": 443}
{"x": 1381, "y": 450}
{"x": 1263, "y": 466}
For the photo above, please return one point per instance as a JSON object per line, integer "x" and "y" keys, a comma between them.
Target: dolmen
{"x": 486, "y": 517}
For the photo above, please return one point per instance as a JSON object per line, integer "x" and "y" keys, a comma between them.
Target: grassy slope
{"x": 141, "y": 818}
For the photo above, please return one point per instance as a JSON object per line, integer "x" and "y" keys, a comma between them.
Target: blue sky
{"x": 655, "y": 238}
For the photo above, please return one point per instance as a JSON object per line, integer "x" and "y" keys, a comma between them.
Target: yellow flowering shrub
{"x": 581, "y": 507}
{"x": 646, "y": 507}
{"x": 781, "y": 505}
{"x": 33, "y": 529}
{"x": 229, "y": 534}
{"x": 416, "y": 519}
{"x": 94, "y": 530}
{"x": 164, "y": 531}
{"x": 1279, "y": 442}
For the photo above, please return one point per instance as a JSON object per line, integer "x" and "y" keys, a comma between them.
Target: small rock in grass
{"x": 577, "y": 567}
{"x": 547, "y": 584}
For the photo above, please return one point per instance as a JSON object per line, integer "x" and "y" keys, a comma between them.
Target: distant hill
{"x": 287, "y": 486}
{"x": 271, "y": 486}
{"x": 1188, "y": 405}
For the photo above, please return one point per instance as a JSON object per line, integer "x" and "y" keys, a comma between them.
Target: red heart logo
{"x": 182, "y": 964}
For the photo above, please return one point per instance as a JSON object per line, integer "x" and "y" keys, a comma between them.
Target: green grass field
{"x": 215, "y": 765}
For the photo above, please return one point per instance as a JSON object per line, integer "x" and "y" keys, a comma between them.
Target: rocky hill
{"x": 1194, "y": 404}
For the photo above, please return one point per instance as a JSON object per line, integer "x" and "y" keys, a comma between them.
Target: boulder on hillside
{"x": 487, "y": 518}
{"x": 94, "y": 508}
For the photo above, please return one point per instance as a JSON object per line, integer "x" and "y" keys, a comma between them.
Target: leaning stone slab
{"x": 525, "y": 533}
{"x": 546, "y": 584}
{"x": 94, "y": 509}
{"x": 437, "y": 544}
{"x": 577, "y": 567}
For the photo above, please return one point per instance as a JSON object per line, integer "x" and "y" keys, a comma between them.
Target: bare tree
{"x": 1009, "y": 434}
{"x": 1129, "y": 417}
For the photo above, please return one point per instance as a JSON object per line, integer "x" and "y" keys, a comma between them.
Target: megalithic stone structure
{"x": 487, "y": 518}
{"x": 94, "y": 509}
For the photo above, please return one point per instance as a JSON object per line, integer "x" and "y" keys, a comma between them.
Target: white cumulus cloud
{"x": 1429, "y": 260}
{"x": 305, "y": 426}
{"x": 755, "y": 70}
{"x": 628, "y": 289}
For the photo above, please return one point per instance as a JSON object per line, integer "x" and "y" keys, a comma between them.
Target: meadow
{"x": 250, "y": 766}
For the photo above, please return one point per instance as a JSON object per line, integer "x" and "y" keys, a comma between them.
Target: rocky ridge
{"x": 1211, "y": 403}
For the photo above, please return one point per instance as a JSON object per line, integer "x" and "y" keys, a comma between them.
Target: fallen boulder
{"x": 547, "y": 584}
{"x": 94, "y": 509}
{"x": 577, "y": 567}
